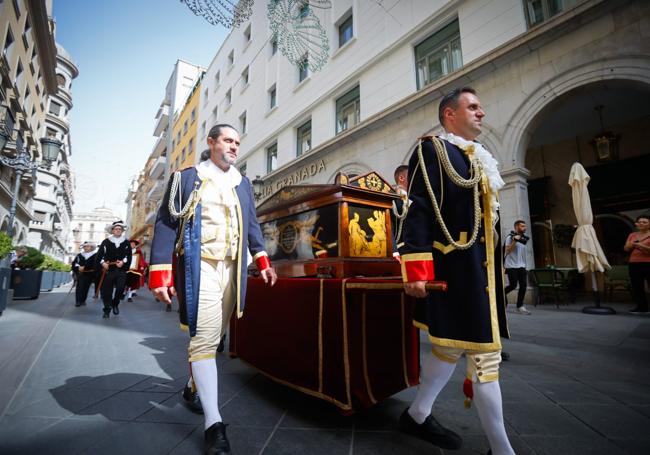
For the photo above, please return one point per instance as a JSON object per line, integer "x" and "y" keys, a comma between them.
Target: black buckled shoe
{"x": 192, "y": 400}
{"x": 116, "y": 310}
{"x": 216, "y": 442}
{"x": 107, "y": 314}
{"x": 431, "y": 431}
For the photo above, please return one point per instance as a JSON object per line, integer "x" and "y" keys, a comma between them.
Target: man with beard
{"x": 114, "y": 258}
{"x": 207, "y": 222}
{"x": 452, "y": 223}
{"x": 85, "y": 272}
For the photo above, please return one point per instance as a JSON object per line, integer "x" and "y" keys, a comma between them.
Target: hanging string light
{"x": 229, "y": 13}
{"x": 300, "y": 36}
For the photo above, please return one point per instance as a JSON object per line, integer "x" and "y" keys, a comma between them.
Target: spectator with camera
{"x": 515, "y": 263}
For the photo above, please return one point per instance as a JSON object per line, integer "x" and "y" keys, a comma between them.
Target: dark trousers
{"x": 639, "y": 274}
{"x": 517, "y": 276}
{"x": 84, "y": 280}
{"x": 115, "y": 279}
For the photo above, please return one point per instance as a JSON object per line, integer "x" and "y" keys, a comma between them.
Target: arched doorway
{"x": 564, "y": 132}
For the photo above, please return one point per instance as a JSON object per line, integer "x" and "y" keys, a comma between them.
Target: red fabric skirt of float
{"x": 347, "y": 341}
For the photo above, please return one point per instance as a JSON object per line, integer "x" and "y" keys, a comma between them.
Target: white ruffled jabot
{"x": 488, "y": 163}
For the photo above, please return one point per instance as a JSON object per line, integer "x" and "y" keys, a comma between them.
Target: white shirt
{"x": 516, "y": 259}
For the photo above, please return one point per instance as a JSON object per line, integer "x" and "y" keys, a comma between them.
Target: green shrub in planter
{"x": 5, "y": 245}
{"x": 32, "y": 260}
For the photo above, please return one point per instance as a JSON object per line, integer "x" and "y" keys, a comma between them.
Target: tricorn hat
{"x": 89, "y": 243}
{"x": 136, "y": 241}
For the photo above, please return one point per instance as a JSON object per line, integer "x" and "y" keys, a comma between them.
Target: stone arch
{"x": 5, "y": 224}
{"x": 350, "y": 168}
{"x": 634, "y": 69}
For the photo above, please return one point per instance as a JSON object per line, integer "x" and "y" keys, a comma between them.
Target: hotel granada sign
{"x": 293, "y": 178}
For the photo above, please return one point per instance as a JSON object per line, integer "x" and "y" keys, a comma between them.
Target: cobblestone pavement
{"x": 72, "y": 383}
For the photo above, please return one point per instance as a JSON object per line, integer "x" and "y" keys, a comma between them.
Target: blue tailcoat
{"x": 465, "y": 316}
{"x": 187, "y": 260}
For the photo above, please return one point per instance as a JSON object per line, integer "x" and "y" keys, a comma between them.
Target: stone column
{"x": 514, "y": 206}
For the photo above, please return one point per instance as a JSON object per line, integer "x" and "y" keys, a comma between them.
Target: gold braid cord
{"x": 172, "y": 195}
{"x": 476, "y": 173}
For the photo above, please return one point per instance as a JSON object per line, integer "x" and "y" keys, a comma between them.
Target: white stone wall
{"x": 380, "y": 59}
{"x": 517, "y": 72}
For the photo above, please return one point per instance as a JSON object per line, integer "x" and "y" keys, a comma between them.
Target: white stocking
{"x": 205, "y": 377}
{"x": 434, "y": 376}
{"x": 487, "y": 399}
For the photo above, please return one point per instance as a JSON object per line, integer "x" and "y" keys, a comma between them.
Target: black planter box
{"x": 5, "y": 278}
{"x": 26, "y": 283}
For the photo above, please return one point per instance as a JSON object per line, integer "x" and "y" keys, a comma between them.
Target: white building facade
{"x": 390, "y": 63}
{"x": 89, "y": 227}
{"x": 54, "y": 198}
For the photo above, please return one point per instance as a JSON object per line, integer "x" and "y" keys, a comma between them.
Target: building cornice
{"x": 44, "y": 38}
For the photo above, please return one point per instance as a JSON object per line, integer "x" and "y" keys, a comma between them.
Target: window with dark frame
{"x": 242, "y": 123}
{"x": 247, "y": 34}
{"x": 9, "y": 40}
{"x": 274, "y": 46}
{"x": 348, "y": 110}
{"x": 244, "y": 77}
{"x": 16, "y": 8}
{"x": 538, "y": 11}
{"x": 229, "y": 97}
{"x": 231, "y": 58}
{"x": 303, "y": 69}
{"x": 272, "y": 157}
{"x": 303, "y": 138}
{"x": 55, "y": 108}
{"x": 438, "y": 55}
{"x": 272, "y": 97}
{"x": 345, "y": 31}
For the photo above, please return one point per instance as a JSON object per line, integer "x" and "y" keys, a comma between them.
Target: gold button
{"x": 485, "y": 264}
{"x": 482, "y": 239}
{"x": 478, "y": 367}
{"x": 477, "y": 359}
{"x": 487, "y": 289}
{"x": 480, "y": 373}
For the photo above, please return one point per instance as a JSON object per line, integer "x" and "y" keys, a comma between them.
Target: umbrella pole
{"x": 597, "y": 309}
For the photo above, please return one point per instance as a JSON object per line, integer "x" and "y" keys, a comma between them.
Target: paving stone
{"x": 66, "y": 436}
{"x": 639, "y": 445}
{"x": 141, "y": 438}
{"x": 626, "y": 392}
{"x": 572, "y": 392}
{"x": 126, "y": 405}
{"x": 313, "y": 442}
{"x": 556, "y": 445}
{"x": 611, "y": 420}
{"x": 574, "y": 385}
{"x": 172, "y": 410}
{"x": 62, "y": 403}
{"x": 391, "y": 442}
{"x": 544, "y": 419}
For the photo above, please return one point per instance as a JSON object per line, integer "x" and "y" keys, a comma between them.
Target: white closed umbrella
{"x": 589, "y": 254}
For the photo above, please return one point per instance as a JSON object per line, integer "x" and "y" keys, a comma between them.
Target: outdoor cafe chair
{"x": 548, "y": 281}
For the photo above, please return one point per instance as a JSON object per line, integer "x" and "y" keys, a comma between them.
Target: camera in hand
{"x": 521, "y": 238}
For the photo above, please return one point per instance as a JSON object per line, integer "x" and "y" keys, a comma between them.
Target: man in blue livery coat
{"x": 207, "y": 222}
{"x": 452, "y": 224}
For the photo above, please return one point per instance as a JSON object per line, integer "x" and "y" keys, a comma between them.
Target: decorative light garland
{"x": 229, "y": 13}
{"x": 299, "y": 34}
